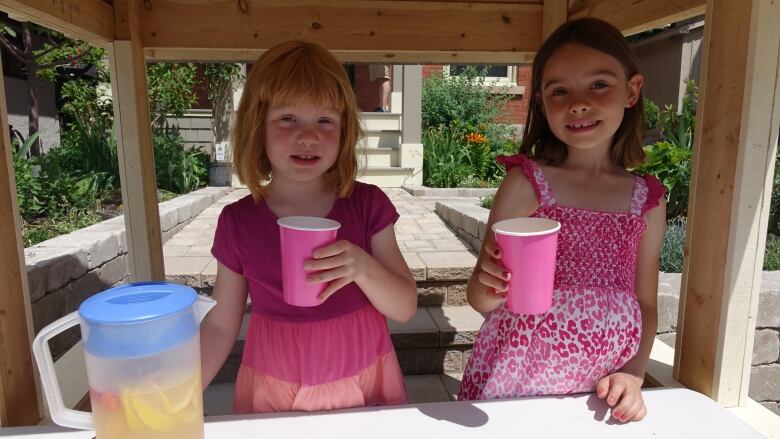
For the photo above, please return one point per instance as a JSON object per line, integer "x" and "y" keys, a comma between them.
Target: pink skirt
{"x": 346, "y": 361}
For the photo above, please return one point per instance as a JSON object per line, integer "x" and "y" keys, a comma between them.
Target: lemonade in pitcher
{"x": 149, "y": 411}
{"x": 142, "y": 355}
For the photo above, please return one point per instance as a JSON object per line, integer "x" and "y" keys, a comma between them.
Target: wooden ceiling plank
{"x": 343, "y": 25}
{"x": 88, "y": 20}
{"x": 356, "y": 56}
{"x": 634, "y": 16}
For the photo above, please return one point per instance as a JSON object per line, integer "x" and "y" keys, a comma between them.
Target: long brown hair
{"x": 292, "y": 73}
{"x": 539, "y": 141}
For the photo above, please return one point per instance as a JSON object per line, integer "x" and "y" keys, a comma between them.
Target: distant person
{"x": 380, "y": 74}
{"x": 295, "y": 137}
{"x": 584, "y": 130}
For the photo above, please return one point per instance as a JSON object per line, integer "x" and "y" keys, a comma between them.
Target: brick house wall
{"x": 514, "y": 112}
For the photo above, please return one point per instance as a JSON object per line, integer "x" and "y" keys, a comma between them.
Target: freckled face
{"x": 302, "y": 141}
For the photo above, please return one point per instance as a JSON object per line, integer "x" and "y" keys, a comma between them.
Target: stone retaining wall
{"x": 468, "y": 221}
{"x": 424, "y": 191}
{"x": 64, "y": 271}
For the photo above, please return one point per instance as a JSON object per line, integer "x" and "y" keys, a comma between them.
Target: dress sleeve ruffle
{"x": 655, "y": 190}
{"x": 526, "y": 164}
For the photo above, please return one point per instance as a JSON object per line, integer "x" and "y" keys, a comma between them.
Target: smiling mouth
{"x": 583, "y": 126}
{"x": 305, "y": 159}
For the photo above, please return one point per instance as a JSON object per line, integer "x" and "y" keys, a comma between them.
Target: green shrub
{"x": 464, "y": 101}
{"x": 651, "y": 113}
{"x": 486, "y": 202}
{"x": 171, "y": 90}
{"x": 772, "y": 253}
{"x": 671, "y": 258}
{"x": 445, "y": 158}
{"x": 670, "y": 158}
{"x": 88, "y": 149}
{"x": 774, "y": 206}
{"x": 178, "y": 169}
{"x": 461, "y": 136}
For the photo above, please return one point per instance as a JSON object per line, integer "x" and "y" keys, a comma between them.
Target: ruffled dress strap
{"x": 648, "y": 191}
{"x": 534, "y": 175}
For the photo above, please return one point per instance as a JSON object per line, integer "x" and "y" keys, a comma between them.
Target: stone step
{"x": 436, "y": 340}
{"x": 386, "y": 176}
{"x": 441, "y": 276}
{"x": 381, "y": 121}
{"x": 380, "y": 139}
{"x": 378, "y": 158}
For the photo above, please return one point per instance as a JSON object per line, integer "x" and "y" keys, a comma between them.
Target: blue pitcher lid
{"x": 137, "y": 302}
{"x": 138, "y": 319}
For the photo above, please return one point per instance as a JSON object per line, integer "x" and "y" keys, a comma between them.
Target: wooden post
{"x": 736, "y": 138}
{"x": 134, "y": 145}
{"x": 554, "y": 14}
{"x": 18, "y": 401}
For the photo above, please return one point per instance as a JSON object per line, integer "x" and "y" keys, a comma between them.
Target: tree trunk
{"x": 32, "y": 97}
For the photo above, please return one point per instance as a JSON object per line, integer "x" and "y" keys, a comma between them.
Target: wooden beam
{"x": 136, "y": 153}
{"x": 387, "y": 57}
{"x": 18, "y": 401}
{"x": 634, "y": 16}
{"x": 88, "y": 20}
{"x": 554, "y": 14}
{"x": 383, "y": 27}
{"x": 736, "y": 138}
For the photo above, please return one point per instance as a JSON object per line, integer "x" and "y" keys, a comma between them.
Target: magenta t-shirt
{"x": 247, "y": 242}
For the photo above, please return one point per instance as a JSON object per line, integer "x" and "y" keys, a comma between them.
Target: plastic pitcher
{"x": 528, "y": 252}
{"x": 299, "y": 236}
{"x": 142, "y": 348}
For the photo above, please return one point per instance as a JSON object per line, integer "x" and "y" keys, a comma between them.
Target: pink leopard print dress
{"x": 594, "y": 325}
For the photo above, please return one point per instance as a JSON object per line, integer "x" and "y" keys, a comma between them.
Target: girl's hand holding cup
{"x": 492, "y": 274}
{"x": 339, "y": 263}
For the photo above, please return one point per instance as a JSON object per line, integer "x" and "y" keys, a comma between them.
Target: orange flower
{"x": 475, "y": 138}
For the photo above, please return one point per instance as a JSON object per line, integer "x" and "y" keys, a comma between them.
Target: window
{"x": 499, "y": 75}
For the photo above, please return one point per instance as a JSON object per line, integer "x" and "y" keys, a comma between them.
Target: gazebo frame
{"x": 733, "y": 160}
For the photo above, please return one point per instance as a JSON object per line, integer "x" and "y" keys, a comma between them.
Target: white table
{"x": 672, "y": 413}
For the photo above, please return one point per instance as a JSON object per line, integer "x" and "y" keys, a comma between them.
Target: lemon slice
{"x": 133, "y": 422}
{"x": 152, "y": 417}
{"x": 181, "y": 396}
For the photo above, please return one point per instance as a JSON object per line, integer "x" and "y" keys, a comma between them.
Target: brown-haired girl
{"x": 294, "y": 140}
{"x": 584, "y": 129}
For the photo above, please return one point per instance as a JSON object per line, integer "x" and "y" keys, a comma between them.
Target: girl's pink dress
{"x": 335, "y": 355}
{"x": 594, "y": 325}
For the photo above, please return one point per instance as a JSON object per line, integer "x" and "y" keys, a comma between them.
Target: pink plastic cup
{"x": 528, "y": 248}
{"x": 299, "y": 236}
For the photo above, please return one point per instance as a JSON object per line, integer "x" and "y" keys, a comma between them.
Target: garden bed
{"x": 64, "y": 271}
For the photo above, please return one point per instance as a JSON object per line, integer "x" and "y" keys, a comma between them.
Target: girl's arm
{"x": 220, "y": 328}
{"x": 384, "y": 278}
{"x": 625, "y": 385}
{"x": 514, "y": 198}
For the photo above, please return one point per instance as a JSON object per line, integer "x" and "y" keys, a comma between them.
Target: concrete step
{"x": 441, "y": 276}
{"x": 378, "y": 158}
{"x": 436, "y": 340}
{"x": 381, "y": 121}
{"x": 386, "y": 176}
{"x": 381, "y": 139}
